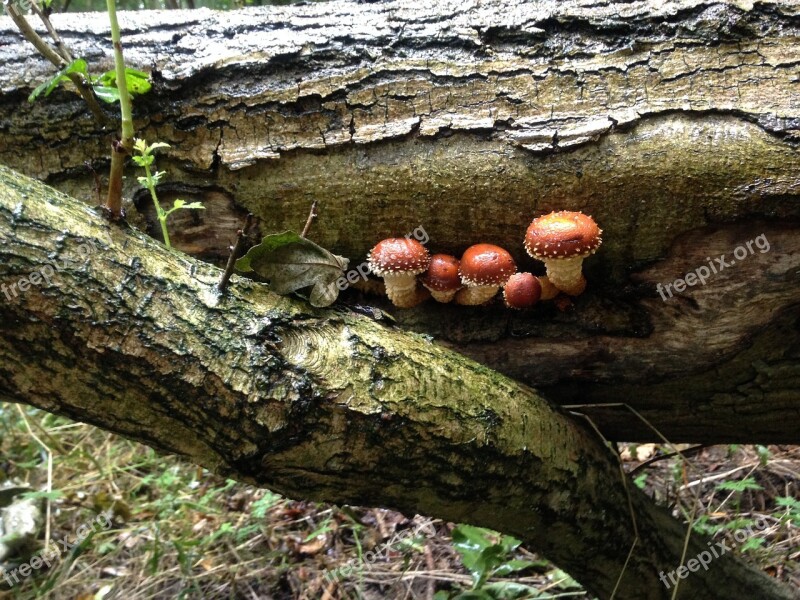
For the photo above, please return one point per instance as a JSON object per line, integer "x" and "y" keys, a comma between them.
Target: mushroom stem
{"x": 402, "y": 290}
{"x": 565, "y": 274}
{"x": 443, "y": 297}
{"x": 475, "y": 295}
{"x": 549, "y": 291}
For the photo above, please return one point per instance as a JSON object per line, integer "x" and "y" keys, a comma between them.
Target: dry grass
{"x": 179, "y": 531}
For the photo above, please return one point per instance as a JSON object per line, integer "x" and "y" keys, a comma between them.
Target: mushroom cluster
{"x": 561, "y": 239}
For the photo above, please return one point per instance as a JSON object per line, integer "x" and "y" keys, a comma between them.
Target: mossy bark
{"x": 675, "y": 125}
{"x": 321, "y": 404}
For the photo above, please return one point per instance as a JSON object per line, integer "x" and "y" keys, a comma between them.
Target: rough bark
{"x": 321, "y": 404}
{"x": 675, "y": 125}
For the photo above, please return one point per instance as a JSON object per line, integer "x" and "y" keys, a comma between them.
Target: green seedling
{"x": 144, "y": 157}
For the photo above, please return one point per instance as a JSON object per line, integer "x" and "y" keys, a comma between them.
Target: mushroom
{"x": 522, "y": 290}
{"x": 484, "y": 269}
{"x": 549, "y": 291}
{"x": 399, "y": 261}
{"x": 562, "y": 240}
{"x": 442, "y": 277}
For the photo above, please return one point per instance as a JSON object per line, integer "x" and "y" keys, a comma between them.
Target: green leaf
{"x": 509, "y": 543}
{"x": 794, "y": 508}
{"x": 474, "y": 595}
{"x": 76, "y": 66}
{"x": 763, "y": 454}
{"x": 178, "y": 204}
{"x": 788, "y": 501}
{"x": 480, "y": 553}
{"x": 753, "y": 543}
{"x": 469, "y": 542}
{"x": 157, "y": 145}
{"x": 140, "y": 146}
{"x": 512, "y": 566}
{"x": 138, "y": 82}
{"x": 510, "y": 590}
{"x": 54, "y": 495}
{"x": 191, "y": 205}
{"x": 562, "y": 580}
{"x": 106, "y": 93}
{"x": 748, "y": 483}
{"x": 471, "y": 537}
{"x": 291, "y": 262}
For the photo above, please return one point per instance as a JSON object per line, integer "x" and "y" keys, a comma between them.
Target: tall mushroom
{"x": 442, "y": 277}
{"x": 562, "y": 240}
{"x": 484, "y": 269}
{"x": 399, "y": 261}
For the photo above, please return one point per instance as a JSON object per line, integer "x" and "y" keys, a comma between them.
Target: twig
{"x": 311, "y": 216}
{"x": 49, "y": 474}
{"x": 62, "y": 49}
{"x": 688, "y": 452}
{"x": 235, "y": 250}
{"x": 431, "y": 565}
{"x": 98, "y": 187}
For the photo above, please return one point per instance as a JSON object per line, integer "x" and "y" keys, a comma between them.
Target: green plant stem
{"x": 125, "y": 109}
{"x": 125, "y": 145}
{"x": 160, "y": 212}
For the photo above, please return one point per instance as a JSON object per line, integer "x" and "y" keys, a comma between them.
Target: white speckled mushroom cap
{"x": 563, "y": 234}
{"x": 398, "y": 255}
{"x": 486, "y": 264}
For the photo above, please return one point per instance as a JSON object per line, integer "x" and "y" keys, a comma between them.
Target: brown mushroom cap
{"x": 562, "y": 234}
{"x": 486, "y": 264}
{"x": 522, "y": 290}
{"x": 398, "y": 255}
{"x": 442, "y": 274}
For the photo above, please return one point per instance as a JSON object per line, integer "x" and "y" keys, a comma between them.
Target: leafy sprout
{"x": 144, "y": 157}
{"x": 104, "y": 86}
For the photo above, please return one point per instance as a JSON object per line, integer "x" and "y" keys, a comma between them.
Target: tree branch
{"x": 320, "y": 404}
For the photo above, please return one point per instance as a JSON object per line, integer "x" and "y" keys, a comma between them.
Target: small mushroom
{"x": 399, "y": 261}
{"x": 484, "y": 269}
{"x": 442, "y": 277}
{"x": 562, "y": 240}
{"x": 549, "y": 291}
{"x": 522, "y": 290}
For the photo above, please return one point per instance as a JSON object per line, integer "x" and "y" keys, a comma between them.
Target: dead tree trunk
{"x": 320, "y": 404}
{"x": 675, "y": 125}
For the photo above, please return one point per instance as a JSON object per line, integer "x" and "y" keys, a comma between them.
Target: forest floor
{"x": 157, "y": 527}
